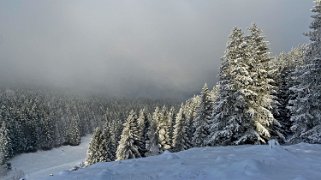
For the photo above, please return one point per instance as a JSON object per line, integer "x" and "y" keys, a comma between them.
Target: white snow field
{"x": 295, "y": 162}
{"x": 40, "y": 164}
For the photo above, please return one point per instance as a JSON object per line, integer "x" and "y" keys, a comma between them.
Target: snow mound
{"x": 273, "y": 143}
{"x": 168, "y": 155}
{"x": 264, "y": 162}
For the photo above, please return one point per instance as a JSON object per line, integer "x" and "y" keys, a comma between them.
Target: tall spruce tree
{"x": 260, "y": 67}
{"x": 181, "y": 139}
{"x": 99, "y": 145}
{"x": 72, "y": 131}
{"x": 305, "y": 107}
{"x": 284, "y": 79}
{"x": 129, "y": 144}
{"x": 152, "y": 144}
{"x": 242, "y": 113}
{"x": 163, "y": 128}
{"x": 231, "y": 122}
{"x": 143, "y": 125}
{"x": 203, "y": 115}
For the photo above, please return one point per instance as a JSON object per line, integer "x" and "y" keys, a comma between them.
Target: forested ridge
{"x": 258, "y": 97}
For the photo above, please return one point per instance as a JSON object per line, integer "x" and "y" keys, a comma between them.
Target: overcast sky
{"x": 134, "y": 47}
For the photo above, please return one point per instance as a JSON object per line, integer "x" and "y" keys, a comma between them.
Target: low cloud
{"x": 134, "y": 48}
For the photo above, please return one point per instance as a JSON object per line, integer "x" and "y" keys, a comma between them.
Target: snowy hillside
{"x": 295, "y": 162}
{"x": 42, "y": 163}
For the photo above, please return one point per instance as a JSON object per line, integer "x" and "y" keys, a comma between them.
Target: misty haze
{"x": 160, "y": 89}
{"x": 134, "y": 48}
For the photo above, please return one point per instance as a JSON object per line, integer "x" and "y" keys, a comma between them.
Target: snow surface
{"x": 40, "y": 164}
{"x": 264, "y": 162}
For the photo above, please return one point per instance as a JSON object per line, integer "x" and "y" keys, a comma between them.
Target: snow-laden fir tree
{"x": 231, "y": 122}
{"x": 306, "y": 107}
{"x": 46, "y": 138}
{"x": 190, "y": 109}
{"x": 5, "y": 144}
{"x": 181, "y": 139}
{"x": 93, "y": 152}
{"x": 109, "y": 134}
{"x": 242, "y": 113}
{"x": 73, "y": 132}
{"x": 99, "y": 145}
{"x": 152, "y": 144}
{"x": 115, "y": 127}
{"x": 201, "y": 121}
{"x": 143, "y": 125}
{"x": 284, "y": 79}
{"x": 214, "y": 93}
{"x": 163, "y": 128}
{"x": 129, "y": 144}
{"x": 170, "y": 125}
{"x": 261, "y": 106}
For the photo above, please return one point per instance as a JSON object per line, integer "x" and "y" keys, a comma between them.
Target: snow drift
{"x": 295, "y": 162}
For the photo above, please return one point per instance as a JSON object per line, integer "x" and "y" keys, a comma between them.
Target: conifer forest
{"x": 256, "y": 96}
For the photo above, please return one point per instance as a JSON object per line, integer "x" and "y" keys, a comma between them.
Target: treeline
{"x": 146, "y": 134}
{"x": 258, "y": 97}
{"x": 32, "y": 119}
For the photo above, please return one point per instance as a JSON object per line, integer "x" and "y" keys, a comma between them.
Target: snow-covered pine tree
{"x": 190, "y": 108}
{"x": 164, "y": 128}
{"x": 285, "y": 65}
{"x": 203, "y": 115}
{"x": 231, "y": 122}
{"x": 214, "y": 92}
{"x": 5, "y": 144}
{"x": 170, "y": 125}
{"x": 115, "y": 128}
{"x": 129, "y": 144}
{"x": 305, "y": 108}
{"x": 73, "y": 135}
{"x": 109, "y": 135}
{"x": 93, "y": 154}
{"x": 47, "y": 135}
{"x": 143, "y": 125}
{"x": 181, "y": 139}
{"x": 98, "y": 148}
{"x": 152, "y": 145}
{"x": 73, "y": 132}
{"x": 260, "y": 68}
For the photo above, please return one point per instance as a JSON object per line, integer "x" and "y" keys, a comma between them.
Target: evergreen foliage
{"x": 305, "y": 106}
{"x": 242, "y": 113}
{"x": 231, "y": 123}
{"x": 152, "y": 144}
{"x": 5, "y": 144}
{"x": 143, "y": 125}
{"x": 284, "y": 78}
{"x": 130, "y": 144}
{"x": 203, "y": 115}
{"x": 43, "y": 119}
{"x": 262, "y": 86}
{"x": 181, "y": 139}
{"x": 164, "y": 123}
{"x": 98, "y": 150}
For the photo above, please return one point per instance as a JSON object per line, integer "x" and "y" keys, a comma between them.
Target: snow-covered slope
{"x": 42, "y": 163}
{"x": 296, "y": 162}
